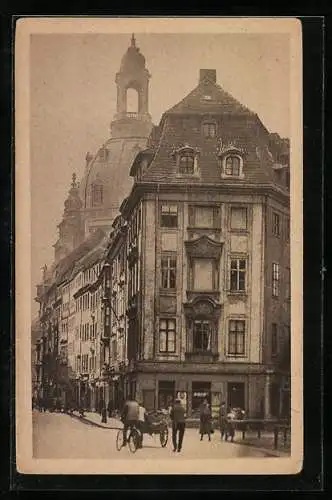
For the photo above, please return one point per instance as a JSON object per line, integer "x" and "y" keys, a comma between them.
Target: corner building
{"x": 208, "y": 259}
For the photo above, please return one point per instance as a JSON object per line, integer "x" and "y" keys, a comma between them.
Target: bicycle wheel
{"x": 163, "y": 436}
{"x": 119, "y": 440}
{"x": 133, "y": 440}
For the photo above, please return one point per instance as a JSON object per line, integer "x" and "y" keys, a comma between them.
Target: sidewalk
{"x": 265, "y": 442}
{"x": 94, "y": 418}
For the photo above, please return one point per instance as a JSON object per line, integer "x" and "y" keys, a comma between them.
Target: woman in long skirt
{"x": 205, "y": 420}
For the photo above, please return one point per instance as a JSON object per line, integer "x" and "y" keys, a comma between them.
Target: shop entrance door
{"x": 235, "y": 395}
{"x": 166, "y": 390}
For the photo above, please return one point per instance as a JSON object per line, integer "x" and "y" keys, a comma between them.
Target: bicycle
{"x": 133, "y": 439}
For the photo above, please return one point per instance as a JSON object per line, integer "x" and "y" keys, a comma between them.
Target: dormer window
{"x": 209, "y": 130}
{"x": 231, "y": 163}
{"x": 187, "y": 161}
{"x": 186, "y": 166}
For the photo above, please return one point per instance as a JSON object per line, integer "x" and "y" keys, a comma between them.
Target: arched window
{"x": 186, "y": 159}
{"x": 187, "y": 164}
{"x": 132, "y": 101}
{"x": 232, "y": 165}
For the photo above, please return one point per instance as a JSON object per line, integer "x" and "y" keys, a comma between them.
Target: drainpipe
{"x": 155, "y": 268}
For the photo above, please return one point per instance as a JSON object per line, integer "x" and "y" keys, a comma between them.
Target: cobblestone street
{"x": 57, "y": 435}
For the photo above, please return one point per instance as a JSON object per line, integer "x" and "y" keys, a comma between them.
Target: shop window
{"x": 238, "y": 218}
{"x": 166, "y": 393}
{"x": 200, "y": 392}
{"x": 236, "y": 338}
{"x": 169, "y": 216}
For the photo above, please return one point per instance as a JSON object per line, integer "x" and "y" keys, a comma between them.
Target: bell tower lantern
{"x": 132, "y": 79}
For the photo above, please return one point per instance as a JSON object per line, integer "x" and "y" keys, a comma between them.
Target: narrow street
{"x": 57, "y": 435}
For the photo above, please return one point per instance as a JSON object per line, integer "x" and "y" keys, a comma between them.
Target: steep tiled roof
{"x": 209, "y": 97}
{"x": 66, "y": 266}
{"x": 236, "y": 125}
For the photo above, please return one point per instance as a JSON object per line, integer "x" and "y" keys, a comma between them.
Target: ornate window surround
{"x": 187, "y": 150}
{"x": 231, "y": 151}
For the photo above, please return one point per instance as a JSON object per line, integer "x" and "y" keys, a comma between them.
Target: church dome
{"x": 133, "y": 60}
{"x": 106, "y": 181}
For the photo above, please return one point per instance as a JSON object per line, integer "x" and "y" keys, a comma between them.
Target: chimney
{"x": 208, "y": 74}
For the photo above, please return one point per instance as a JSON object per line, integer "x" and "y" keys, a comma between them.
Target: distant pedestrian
{"x": 110, "y": 408}
{"x": 222, "y": 419}
{"x": 101, "y": 406}
{"x": 178, "y": 418}
{"x": 230, "y": 426}
{"x": 205, "y": 420}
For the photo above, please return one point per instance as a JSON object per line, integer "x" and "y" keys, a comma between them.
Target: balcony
{"x": 202, "y": 356}
{"x": 201, "y": 294}
{"x": 132, "y": 116}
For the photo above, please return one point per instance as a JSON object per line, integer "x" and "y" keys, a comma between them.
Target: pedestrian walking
{"x": 230, "y": 426}
{"x": 142, "y": 418}
{"x": 205, "y": 420}
{"x": 222, "y": 418}
{"x": 178, "y": 418}
{"x": 110, "y": 408}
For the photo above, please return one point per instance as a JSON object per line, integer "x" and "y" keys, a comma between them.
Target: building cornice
{"x": 227, "y": 188}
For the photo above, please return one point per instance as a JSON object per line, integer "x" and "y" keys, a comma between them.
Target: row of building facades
{"x": 182, "y": 289}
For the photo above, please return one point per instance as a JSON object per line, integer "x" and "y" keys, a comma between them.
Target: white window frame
{"x": 224, "y": 158}
{"x": 239, "y": 270}
{"x": 245, "y": 334}
{"x": 167, "y": 331}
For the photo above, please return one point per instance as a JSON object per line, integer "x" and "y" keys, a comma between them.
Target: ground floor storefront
{"x": 259, "y": 392}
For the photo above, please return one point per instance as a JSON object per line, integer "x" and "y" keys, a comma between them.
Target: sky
{"x": 73, "y": 101}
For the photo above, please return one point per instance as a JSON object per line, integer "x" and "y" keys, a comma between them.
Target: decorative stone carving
{"x": 204, "y": 247}
{"x": 202, "y": 306}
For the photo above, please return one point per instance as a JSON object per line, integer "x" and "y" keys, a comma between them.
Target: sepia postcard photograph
{"x": 158, "y": 245}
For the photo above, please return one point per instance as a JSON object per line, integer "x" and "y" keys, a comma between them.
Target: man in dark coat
{"x": 205, "y": 420}
{"x": 178, "y": 417}
{"x": 222, "y": 417}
